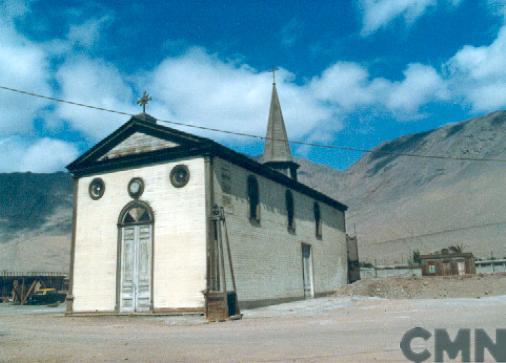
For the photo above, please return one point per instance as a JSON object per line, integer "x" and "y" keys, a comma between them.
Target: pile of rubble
{"x": 474, "y": 286}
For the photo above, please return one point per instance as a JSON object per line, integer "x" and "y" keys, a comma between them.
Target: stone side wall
{"x": 267, "y": 258}
{"x": 179, "y": 266}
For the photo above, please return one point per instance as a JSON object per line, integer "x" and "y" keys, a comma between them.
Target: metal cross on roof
{"x": 273, "y": 70}
{"x": 144, "y": 100}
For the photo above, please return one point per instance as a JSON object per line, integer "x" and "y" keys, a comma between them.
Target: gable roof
{"x": 186, "y": 145}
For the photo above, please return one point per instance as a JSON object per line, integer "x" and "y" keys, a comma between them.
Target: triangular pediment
{"x": 140, "y": 137}
{"x": 139, "y": 142}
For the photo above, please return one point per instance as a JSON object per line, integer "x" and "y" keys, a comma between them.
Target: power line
{"x": 60, "y": 100}
{"x": 258, "y": 137}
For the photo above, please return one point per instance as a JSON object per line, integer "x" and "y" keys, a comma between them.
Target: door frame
{"x": 311, "y": 270}
{"x": 120, "y": 225}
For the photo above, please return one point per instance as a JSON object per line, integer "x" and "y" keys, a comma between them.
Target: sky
{"x": 351, "y": 73}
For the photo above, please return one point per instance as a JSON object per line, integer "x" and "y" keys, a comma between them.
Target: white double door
{"x": 135, "y": 282}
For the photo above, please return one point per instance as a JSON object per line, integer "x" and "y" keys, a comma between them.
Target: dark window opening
{"x": 254, "y": 199}
{"x": 317, "y": 220}
{"x": 290, "y": 210}
{"x": 96, "y": 188}
{"x": 179, "y": 175}
{"x": 215, "y": 230}
{"x": 136, "y": 187}
{"x": 136, "y": 213}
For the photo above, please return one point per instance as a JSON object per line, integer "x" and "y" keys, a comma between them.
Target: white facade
{"x": 179, "y": 238}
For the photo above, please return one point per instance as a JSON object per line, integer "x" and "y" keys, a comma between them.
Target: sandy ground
{"x": 333, "y": 329}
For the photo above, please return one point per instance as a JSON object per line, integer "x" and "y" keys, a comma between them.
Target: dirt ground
{"x": 332, "y": 329}
{"x": 429, "y": 287}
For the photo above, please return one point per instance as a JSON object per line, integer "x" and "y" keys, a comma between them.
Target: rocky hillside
{"x": 35, "y": 222}
{"x": 398, "y": 204}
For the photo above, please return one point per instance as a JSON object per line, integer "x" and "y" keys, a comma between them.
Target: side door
{"x": 307, "y": 271}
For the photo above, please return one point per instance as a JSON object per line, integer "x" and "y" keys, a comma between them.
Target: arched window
{"x": 135, "y": 212}
{"x": 317, "y": 220}
{"x": 254, "y": 199}
{"x": 290, "y": 210}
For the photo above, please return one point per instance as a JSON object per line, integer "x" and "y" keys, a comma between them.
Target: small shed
{"x": 447, "y": 263}
{"x": 18, "y": 287}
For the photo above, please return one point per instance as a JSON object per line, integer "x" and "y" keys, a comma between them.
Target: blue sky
{"x": 352, "y": 73}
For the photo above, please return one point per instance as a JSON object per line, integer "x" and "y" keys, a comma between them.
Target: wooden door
{"x": 127, "y": 284}
{"x": 461, "y": 267}
{"x": 135, "y": 282}
{"x": 307, "y": 271}
{"x": 143, "y": 302}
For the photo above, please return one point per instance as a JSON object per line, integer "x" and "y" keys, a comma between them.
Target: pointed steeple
{"x": 277, "y": 154}
{"x": 276, "y": 143}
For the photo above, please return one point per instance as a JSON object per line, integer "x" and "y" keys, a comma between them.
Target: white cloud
{"x": 87, "y": 33}
{"x": 349, "y": 87}
{"x": 23, "y": 64}
{"x": 421, "y": 85}
{"x": 96, "y": 83}
{"x": 81, "y": 38}
{"x": 199, "y": 88}
{"x": 346, "y": 84}
{"x": 478, "y": 74}
{"x": 41, "y": 156}
{"x": 379, "y": 13}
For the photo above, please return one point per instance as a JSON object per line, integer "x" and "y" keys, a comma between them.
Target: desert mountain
{"x": 398, "y": 204}
{"x": 35, "y": 222}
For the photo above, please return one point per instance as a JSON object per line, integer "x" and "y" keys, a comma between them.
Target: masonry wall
{"x": 179, "y": 264}
{"x": 267, "y": 259}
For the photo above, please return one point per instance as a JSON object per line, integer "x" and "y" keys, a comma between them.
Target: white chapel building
{"x": 166, "y": 222}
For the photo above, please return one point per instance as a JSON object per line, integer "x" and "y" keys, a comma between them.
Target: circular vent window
{"x": 136, "y": 187}
{"x": 97, "y": 188}
{"x": 179, "y": 176}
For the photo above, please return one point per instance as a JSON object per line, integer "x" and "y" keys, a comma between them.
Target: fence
{"x": 490, "y": 266}
{"x": 31, "y": 274}
{"x": 483, "y": 267}
{"x": 390, "y": 271}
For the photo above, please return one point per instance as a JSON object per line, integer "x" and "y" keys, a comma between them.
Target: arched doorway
{"x": 135, "y": 251}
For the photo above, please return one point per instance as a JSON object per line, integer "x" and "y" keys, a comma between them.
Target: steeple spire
{"x": 276, "y": 143}
{"x": 277, "y": 153}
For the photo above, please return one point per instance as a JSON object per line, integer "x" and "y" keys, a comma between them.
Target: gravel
{"x": 331, "y": 329}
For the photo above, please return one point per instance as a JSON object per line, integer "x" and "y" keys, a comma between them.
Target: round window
{"x": 136, "y": 187}
{"x": 96, "y": 188}
{"x": 179, "y": 176}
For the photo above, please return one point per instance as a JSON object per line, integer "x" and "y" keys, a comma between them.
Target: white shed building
{"x": 165, "y": 221}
